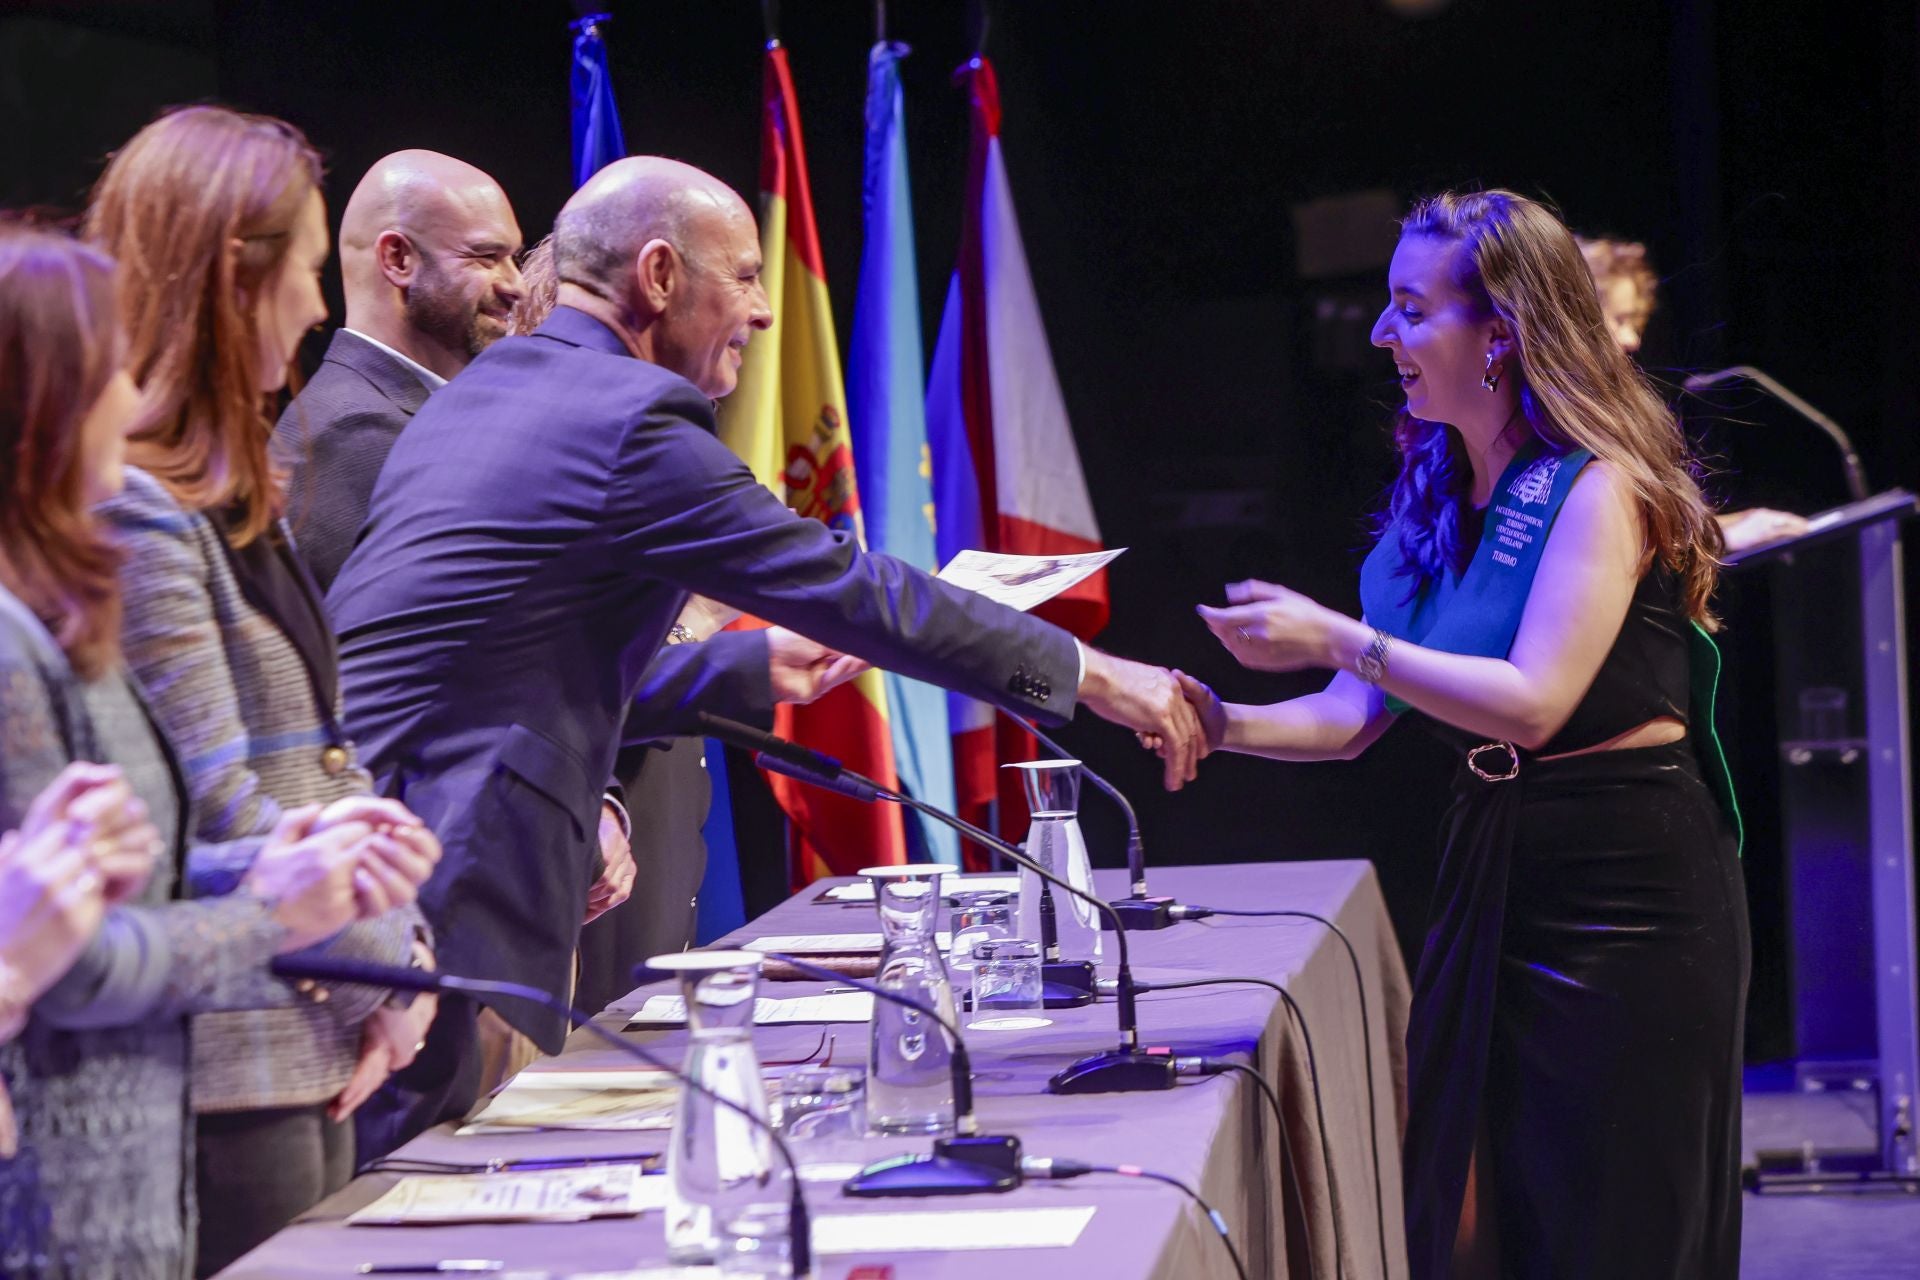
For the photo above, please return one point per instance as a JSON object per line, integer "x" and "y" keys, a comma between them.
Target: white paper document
{"x": 1022, "y": 582}
{"x": 957, "y": 1229}
{"x": 547, "y": 1195}
{"x": 848, "y": 1006}
{"x": 600, "y": 1100}
{"x": 861, "y": 891}
{"x": 832, "y": 944}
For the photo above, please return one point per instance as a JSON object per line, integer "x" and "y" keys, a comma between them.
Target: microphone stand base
{"x": 1116, "y": 1071}
{"x": 926, "y": 1175}
{"x": 1067, "y": 984}
{"x": 1139, "y": 915}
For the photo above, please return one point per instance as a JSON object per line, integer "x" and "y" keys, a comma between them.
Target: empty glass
{"x": 756, "y": 1241}
{"x": 1006, "y": 986}
{"x": 977, "y": 918}
{"x": 823, "y": 1103}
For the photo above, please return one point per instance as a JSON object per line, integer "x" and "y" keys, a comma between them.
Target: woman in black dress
{"x": 1539, "y": 599}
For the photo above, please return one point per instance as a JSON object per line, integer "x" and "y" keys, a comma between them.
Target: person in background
{"x": 100, "y": 1183}
{"x": 1629, "y": 288}
{"x": 1538, "y": 599}
{"x": 218, "y": 221}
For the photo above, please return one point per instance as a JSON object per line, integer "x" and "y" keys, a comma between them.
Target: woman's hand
{"x": 52, "y": 900}
{"x": 309, "y": 877}
{"x": 400, "y": 854}
{"x": 1206, "y": 705}
{"x": 389, "y": 1041}
{"x": 1266, "y": 627}
{"x": 123, "y": 841}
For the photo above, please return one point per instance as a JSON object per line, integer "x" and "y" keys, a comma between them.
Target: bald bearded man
{"x": 535, "y": 532}
{"x": 428, "y": 256}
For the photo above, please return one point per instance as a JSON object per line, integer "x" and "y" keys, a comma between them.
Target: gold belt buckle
{"x": 1513, "y": 769}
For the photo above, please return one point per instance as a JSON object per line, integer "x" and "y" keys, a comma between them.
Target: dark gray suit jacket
{"x": 333, "y": 439}
{"x": 533, "y": 535}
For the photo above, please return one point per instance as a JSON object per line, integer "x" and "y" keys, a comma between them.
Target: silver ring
{"x": 1242, "y": 633}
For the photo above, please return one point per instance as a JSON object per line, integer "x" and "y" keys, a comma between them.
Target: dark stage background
{"x": 1230, "y": 416}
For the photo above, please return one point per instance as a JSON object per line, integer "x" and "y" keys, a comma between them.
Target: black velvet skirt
{"x": 1579, "y": 1005}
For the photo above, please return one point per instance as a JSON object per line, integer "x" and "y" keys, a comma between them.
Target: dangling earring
{"x": 1491, "y": 379}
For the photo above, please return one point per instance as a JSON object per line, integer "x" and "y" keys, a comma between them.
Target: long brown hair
{"x": 1578, "y": 390}
{"x": 170, "y": 206}
{"x": 60, "y": 345}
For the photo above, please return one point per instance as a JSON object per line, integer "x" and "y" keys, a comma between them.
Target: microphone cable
{"x": 1313, "y": 1075}
{"x": 1366, "y": 1042}
{"x": 1047, "y": 1168}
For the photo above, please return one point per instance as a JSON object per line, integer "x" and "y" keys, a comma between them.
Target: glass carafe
{"x": 1054, "y": 841}
{"x": 909, "y": 1055}
{"x": 719, "y": 1163}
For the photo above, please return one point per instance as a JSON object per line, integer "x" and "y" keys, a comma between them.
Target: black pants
{"x": 1582, "y": 994}
{"x": 442, "y": 1083}
{"x": 256, "y": 1171}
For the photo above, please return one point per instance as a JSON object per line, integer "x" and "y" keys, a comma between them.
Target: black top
{"x": 1646, "y": 675}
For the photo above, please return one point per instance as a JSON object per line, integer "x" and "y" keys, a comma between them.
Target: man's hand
{"x": 802, "y": 670}
{"x": 615, "y": 884}
{"x": 1147, "y": 700}
{"x": 389, "y": 1041}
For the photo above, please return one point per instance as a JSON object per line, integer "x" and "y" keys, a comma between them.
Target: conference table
{"x": 1217, "y": 1134}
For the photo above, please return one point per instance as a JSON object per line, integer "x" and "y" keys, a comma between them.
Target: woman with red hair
{"x": 218, "y": 222}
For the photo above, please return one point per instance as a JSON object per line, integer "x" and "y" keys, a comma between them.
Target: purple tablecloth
{"x": 1216, "y": 1134}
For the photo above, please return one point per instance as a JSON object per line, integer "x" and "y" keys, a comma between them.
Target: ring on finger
{"x": 1242, "y": 633}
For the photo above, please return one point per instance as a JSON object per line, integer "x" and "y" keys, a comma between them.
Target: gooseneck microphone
{"x": 1136, "y": 848}
{"x": 940, "y": 1174}
{"x": 1856, "y": 474}
{"x": 1123, "y": 1070}
{"x": 329, "y": 969}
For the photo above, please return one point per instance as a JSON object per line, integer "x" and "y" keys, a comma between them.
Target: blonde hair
{"x": 1609, "y": 260}
{"x": 1578, "y": 390}
{"x": 539, "y": 290}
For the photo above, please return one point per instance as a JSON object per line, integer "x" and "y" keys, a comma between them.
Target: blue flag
{"x": 596, "y": 123}
{"x": 889, "y": 424}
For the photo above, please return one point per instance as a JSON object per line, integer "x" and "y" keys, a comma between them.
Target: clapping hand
{"x": 122, "y": 841}
{"x": 1266, "y": 627}
{"x": 400, "y": 853}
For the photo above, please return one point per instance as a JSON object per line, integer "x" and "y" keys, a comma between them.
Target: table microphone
{"x": 1127, "y": 1069}
{"x": 392, "y": 977}
{"x": 969, "y": 1162}
{"x": 1856, "y": 474}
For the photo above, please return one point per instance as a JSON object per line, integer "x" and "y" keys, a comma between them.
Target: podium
{"x": 1841, "y": 648}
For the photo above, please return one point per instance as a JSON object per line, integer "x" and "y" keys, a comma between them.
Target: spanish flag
{"x": 788, "y": 420}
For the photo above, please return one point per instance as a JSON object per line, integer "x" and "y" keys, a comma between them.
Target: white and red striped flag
{"x": 1006, "y": 472}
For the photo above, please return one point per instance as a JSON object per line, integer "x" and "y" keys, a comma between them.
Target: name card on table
{"x": 949, "y": 885}
{"x": 841, "y": 1006}
{"x": 547, "y": 1195}
{"x": 832, "y": 944}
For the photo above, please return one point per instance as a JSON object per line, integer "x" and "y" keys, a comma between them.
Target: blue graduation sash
{"x": 1478, "y": 612}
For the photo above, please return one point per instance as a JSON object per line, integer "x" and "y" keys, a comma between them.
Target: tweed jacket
{"x": 247, "y": 691}
{"x": 102, "y": 1184}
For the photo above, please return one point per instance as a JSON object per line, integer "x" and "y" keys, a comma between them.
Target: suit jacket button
{"x": 334, "y": 761}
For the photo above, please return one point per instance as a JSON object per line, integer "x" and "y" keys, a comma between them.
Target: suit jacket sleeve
{"x": 725, "y": 674}
{"x": 686, "y": 510}
{"x": 333, "y": 477}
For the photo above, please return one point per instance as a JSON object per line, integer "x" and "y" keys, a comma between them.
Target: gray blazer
{"x": 333, "y": 438}
{"x": 241, "y": 677}
{"x": 103, "y": 1184}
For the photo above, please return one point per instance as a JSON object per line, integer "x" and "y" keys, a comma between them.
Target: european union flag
{"x": 596, "y": 122}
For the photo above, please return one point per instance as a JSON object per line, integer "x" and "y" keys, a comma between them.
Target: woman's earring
{"x": 1491, "y": 379}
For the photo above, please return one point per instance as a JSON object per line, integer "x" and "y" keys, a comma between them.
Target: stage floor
{"x": 1826, "y": 1237}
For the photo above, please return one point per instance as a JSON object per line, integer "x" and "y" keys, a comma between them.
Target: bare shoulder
{"x": 1601, "y": 513}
